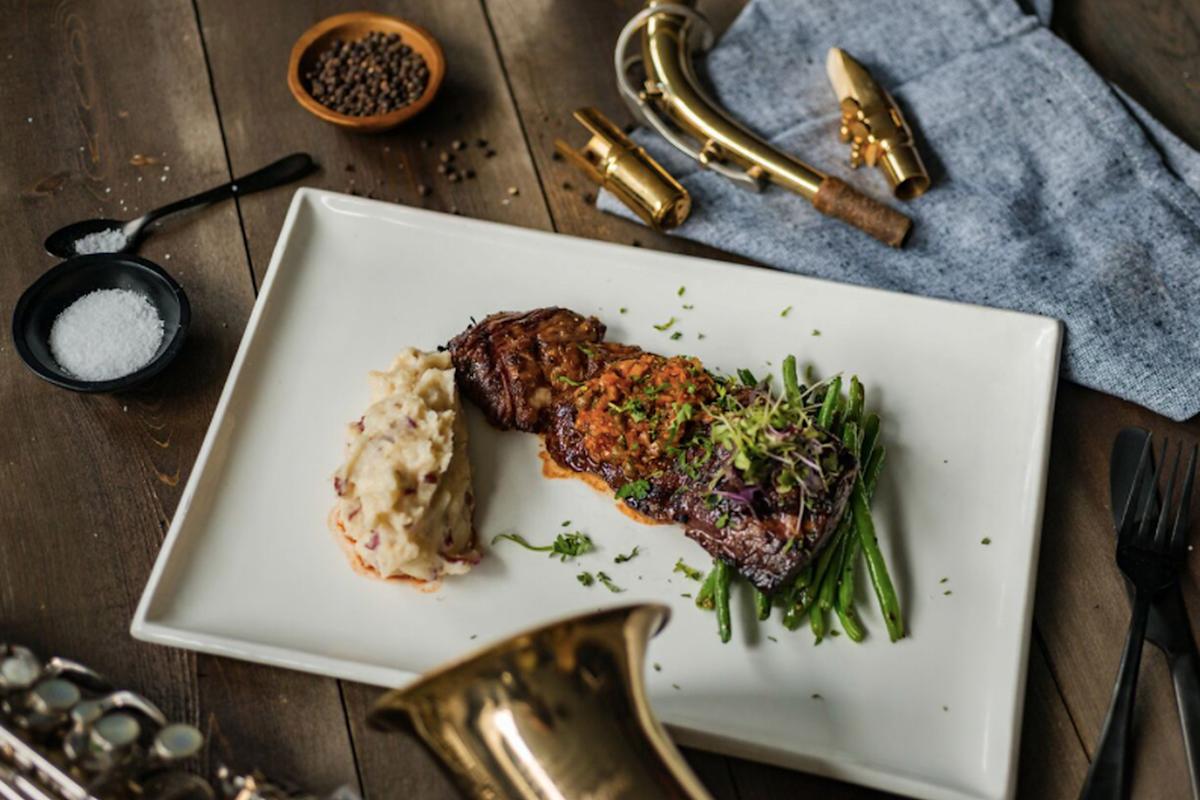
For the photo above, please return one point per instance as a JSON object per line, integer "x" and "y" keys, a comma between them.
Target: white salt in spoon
{"x": 115, "y": 236}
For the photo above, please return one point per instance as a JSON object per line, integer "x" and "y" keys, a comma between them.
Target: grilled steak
{"x": 657, "y": 430}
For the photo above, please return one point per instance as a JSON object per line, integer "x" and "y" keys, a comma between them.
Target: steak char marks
{"x": 640, "y": 422}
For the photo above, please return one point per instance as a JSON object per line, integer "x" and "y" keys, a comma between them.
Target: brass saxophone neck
{"x": 672, "y": 101}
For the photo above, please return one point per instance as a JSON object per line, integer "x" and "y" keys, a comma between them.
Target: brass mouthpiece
{"x": 612, "y": 160}
{"x": 878, "y": 134}
{"x": 672, "y": 102}
{"x": 555, "y": 712}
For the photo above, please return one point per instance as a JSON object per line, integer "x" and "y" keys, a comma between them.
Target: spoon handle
{"x": 285, "y": 170}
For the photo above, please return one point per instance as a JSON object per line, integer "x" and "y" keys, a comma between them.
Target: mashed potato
{"x": 405, "y": 505}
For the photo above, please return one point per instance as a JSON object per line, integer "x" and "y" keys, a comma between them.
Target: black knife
{"x": 1168, "y": 627}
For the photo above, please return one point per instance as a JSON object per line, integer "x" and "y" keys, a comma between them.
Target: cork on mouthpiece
{"x": 838, "y": 200}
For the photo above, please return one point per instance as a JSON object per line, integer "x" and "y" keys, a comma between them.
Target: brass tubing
{"x": 673, "y": 89}
{"x": 668, "y": 63}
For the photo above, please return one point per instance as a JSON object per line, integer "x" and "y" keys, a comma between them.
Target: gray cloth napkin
{"x": 1051, "y": 194}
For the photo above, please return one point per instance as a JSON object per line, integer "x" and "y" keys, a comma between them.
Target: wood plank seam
{"x": 1040, "y": 644}
{"x": 212, "y": 90}
{"x": 516, "y": 109}
{"x": 350, "y": 735}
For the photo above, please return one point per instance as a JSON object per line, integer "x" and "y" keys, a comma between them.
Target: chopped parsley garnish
{"x": 676, "y": 336}
{"x": 665, "y": 325}
{"x": 608, "y": 584}
{"x": 786, "y": 311}
{"x": 569, "y": 381}
{"x": 772, "y": 638}
{"x": 623, "y": 310}
{"x": 585, "y": 578}
{"x": 638, "y": 490}
{"x": 690, "y": 572}
{"x": 688, "y": 306}
{"x": 566, "y": 523}
{"x": 682, "y": 289}
{"x": 816, "y": 332}
{"x": 566, "y": 545}
{"x": 623, "y": 557}
{"x": 699, "y": 335}
{"x": 985, "y": 540}
{"x": 632, "y": 407}
{"x": 657, "y": 667}
{"x": 943, "y": 580}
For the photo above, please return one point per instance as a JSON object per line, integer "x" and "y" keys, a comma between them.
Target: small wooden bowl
{"x": 349, "y": 27}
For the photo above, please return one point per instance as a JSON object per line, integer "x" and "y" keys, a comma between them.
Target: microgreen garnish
{"x": 636, "y": 489}
{"x": 585, "y": 578}
{"x": 723, "y": 520}
{"x": 663, "y": 326}
{"x": 690, "y": 572}
{"x": 608, "y": 583}
{"x": 569, "y": 381}
{"x": 623, "y": 557}
{"x": 587, "y": 351}
{"x": 786, "y": 311}
{"x": 566, "y": 545}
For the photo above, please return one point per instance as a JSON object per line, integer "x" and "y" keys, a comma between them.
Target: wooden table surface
{"x": 111, "y": 107}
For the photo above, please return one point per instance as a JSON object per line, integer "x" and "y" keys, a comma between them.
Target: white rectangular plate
{"x": 249, "y": 569}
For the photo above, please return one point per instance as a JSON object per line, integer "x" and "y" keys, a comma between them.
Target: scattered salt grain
{"x": 106, "y": 241}
{"x": 106, "y": 334}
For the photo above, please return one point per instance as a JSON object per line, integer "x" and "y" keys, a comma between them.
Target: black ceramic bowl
{"x": 42, "y": 302}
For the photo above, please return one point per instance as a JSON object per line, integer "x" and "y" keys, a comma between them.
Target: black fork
{"x": 1150, "y": 552}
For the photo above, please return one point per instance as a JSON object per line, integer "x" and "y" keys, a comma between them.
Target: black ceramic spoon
{"x": 61, "y": 243}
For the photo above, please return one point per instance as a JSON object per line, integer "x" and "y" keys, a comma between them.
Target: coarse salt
{"x": 106, "y": 334}
{"x": 106, "y": 241}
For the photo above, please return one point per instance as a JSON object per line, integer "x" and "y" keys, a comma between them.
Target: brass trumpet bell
{"x": 555, "y": 713}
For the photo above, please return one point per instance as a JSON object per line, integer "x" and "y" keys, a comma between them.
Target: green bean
{"x": 704, "y": 597}
{"x": 870, "y": 436}
{"x": 724, "y": 577}
{"x": 805, "y": 577}
{"x": 858, "y": 395}
{"x": 874, "y": 467}
{"x": 832, "y": 575}
{"x": 762, "y": 604}
{"x": 889, "y": 603}
{"x": 791, "y": 384}
{"x": 829, "y": 404}
{"x": 845, "y": 601}
{"x": 850, "y": 437}
{"x": 826, "y": 555}
{"x": 747, "y": 377}
{"x": 797, "y": 606}
{"x": 839, "y": 412}
{"x": 816, "y": 621}
{"x": 851, "y": 624}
